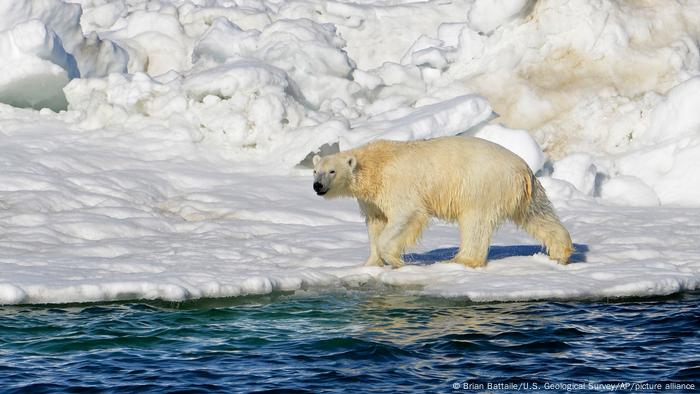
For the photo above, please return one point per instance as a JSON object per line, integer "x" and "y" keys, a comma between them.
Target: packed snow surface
{"x": 103, "y": 215}
{"x": 149, "y": 149}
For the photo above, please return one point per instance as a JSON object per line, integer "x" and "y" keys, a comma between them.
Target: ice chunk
{"x": 577, "y": 169}
{"x": 449, "y": 117}
{"x": 35, "y": 67}
{"x": 487, "y": 15}
{"x": 156, "y": 42}
{"x": 519, "y": 142}
{"x": 10, "y": 294}
{"x": 449, "y": 33}
{"x": 224, "y": 40}
{"x": 42, "y": 47}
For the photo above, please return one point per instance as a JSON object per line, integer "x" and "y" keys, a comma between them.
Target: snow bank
{"x": 264, "y": 81}
{"x": 659, "y": 165}
{"x": 105, "y": 215}
{"x": 568, "y": 72}
{"x": 667, "y": 153}
{"x": 253, "y": 110}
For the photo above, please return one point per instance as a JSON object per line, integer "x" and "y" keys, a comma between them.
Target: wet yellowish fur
{"x": 401, "y": 185}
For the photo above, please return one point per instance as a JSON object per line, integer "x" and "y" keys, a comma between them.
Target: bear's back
{"x": 441, "y": 171}
{"x": 454, "y": 150}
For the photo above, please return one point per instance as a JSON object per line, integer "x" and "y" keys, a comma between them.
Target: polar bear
{"x": 401, "y": 185}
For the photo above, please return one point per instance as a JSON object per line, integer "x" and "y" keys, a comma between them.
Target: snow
{"x": 578, "y": 170}
{"x": 517, "y": 141}
{"x": 36, "y": 68}
{"x": 101, "y": 215}
{"x": 630, "y": 191}
{"x": 43, "y": 47}
{"x": 487, "y": 15}
{"x": 150, "y": 149}
{"x": 667, "y": 155}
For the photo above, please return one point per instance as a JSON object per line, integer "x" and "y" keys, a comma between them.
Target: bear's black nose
{"x": 317, "y": 186}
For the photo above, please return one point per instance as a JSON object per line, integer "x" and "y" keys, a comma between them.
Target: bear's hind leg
{"x": 375, "y": 226}
{"x": 540, "y": 221}
{"x": 475, "y": 232}
{"x": 550, "y": 231}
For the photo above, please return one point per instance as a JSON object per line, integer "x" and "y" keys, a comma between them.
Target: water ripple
{"x": 343, "y": 342}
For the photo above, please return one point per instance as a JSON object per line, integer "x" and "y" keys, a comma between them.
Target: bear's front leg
{"x": 375, "y": 226}
{"x": 391, "y": 240}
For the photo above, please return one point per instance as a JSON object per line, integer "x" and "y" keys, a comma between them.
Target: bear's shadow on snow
{"x": 495, "y": 253}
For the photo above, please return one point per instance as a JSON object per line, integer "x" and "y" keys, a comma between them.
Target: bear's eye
{"x": 314, "y": 172}
{"x": 332, "y": 171}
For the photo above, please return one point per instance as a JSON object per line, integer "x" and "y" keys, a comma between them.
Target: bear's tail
{"x": 539, "y": 220}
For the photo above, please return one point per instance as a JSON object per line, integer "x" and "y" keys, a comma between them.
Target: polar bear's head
{"x": 333, "y": 174}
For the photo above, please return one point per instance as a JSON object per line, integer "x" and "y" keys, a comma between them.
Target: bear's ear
{"x": 352, "y": 162}
{"x": 316, "y": 159}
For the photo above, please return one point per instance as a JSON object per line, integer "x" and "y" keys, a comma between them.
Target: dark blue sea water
{"x": 353, "y": 342}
